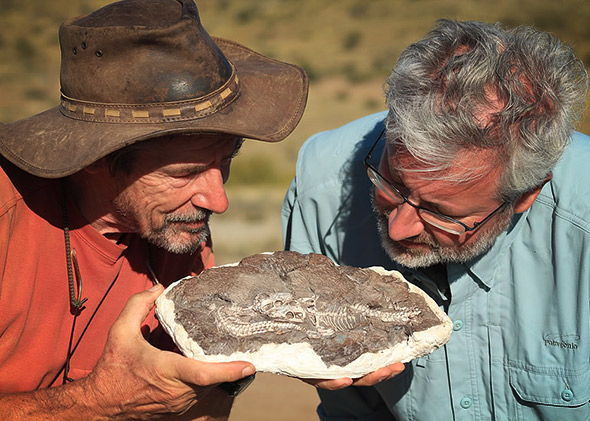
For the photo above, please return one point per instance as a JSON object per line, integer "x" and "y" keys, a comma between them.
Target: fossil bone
{"x": 303, "y": 316}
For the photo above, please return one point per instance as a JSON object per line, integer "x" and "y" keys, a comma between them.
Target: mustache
{"x": 199, "y": 215}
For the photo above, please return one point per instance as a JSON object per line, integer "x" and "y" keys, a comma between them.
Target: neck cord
{"x": 76, "y": 303}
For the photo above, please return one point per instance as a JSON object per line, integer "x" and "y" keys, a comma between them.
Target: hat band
{"x": 162, "y": 112}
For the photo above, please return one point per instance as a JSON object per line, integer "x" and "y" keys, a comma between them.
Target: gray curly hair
{"x": 477, "y": 86}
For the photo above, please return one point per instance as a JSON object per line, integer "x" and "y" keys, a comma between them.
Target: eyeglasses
{"x": 436, "y": 219}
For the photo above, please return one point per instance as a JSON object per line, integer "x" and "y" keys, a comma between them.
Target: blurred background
{"x": 348, "y": 48}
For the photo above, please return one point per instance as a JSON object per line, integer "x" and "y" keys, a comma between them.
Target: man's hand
{"x": 134, "y": 378}
{"x": 370, "y": 379}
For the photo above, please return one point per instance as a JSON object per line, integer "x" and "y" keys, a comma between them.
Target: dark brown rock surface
{"x": 286, "y": 297}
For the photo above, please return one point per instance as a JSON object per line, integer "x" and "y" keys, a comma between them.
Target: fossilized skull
{"x": 281, "y": 306}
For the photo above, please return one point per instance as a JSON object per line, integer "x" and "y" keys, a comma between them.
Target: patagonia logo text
{"x": 562, "y": 341}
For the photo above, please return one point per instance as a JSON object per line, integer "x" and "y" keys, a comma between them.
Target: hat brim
{"x": 272, "y": 98}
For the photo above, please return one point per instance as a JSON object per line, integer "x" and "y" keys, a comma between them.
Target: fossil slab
{"x": 303, "y": 316}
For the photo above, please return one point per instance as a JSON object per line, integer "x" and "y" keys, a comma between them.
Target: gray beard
{"x": 162, "y": 236}
{"x": 442, "y": 254}
{"x": 165, "y": 236}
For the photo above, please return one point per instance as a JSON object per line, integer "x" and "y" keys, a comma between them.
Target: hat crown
{"x": 139, "y": 69}
{"x": 140, "y": 52}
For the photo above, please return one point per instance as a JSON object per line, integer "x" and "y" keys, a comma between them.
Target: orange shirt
{"x": 35, "y": 316}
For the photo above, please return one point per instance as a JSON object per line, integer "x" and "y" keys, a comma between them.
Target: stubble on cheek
{"x": 137, "y": 206}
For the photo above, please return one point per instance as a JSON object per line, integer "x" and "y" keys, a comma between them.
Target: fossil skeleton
{"x": 281, "y": 313}
{"x": 302, "y": 315}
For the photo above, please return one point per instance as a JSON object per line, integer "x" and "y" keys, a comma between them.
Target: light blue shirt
{"x": 521, "y": 342}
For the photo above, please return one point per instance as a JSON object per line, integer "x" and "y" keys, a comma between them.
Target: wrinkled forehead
{"x": 467, "y": 166}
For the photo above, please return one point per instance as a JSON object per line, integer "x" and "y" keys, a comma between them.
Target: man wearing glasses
{"x": 475, "y": 186}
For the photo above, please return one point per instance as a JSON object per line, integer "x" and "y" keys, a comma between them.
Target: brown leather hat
{"x": 138, "y": 69}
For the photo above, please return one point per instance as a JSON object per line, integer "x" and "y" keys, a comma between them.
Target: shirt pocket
{"x": 550, "y": 394}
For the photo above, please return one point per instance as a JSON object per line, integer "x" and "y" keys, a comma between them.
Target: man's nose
{"x": 210, "y": 191}
{"x": 404, "y": 222}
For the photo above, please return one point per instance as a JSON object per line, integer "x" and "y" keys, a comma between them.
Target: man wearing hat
{"x": 110, "y": 193}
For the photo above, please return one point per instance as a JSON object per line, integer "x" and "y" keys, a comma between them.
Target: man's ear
{"x": 526, "y": 200}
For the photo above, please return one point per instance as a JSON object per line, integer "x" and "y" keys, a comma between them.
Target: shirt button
{"x": 466, "y": 403}
{"x": 457, "y": 325}
{"x": 567, "y": 395}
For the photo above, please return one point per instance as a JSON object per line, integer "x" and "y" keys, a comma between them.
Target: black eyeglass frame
{"x": 405, "y": 199}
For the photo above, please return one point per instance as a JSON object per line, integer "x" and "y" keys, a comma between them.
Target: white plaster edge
{"x": 300, "y": 360}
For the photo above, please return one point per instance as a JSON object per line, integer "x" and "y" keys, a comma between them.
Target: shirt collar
{"x": 484, "y": 266}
